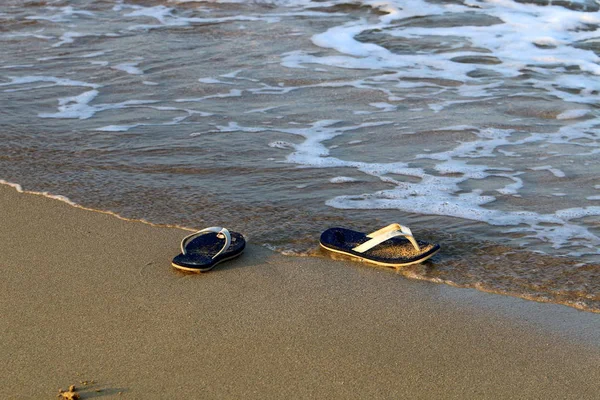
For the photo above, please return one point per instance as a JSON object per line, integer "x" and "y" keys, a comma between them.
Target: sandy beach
{"x": 92, "y": 300}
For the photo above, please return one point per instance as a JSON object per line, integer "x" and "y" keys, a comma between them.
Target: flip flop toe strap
{"x": 384, "y": 234}
{"x": 221, "y": 233}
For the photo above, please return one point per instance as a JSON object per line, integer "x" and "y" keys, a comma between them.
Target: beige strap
{"x": 389, "y": 228}
{"x": 386, "y": 233}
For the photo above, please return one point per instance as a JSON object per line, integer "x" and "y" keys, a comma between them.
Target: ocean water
{"x": 474, "y": 122}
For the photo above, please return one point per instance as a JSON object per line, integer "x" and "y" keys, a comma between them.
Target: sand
{"x": 92, "y": 300}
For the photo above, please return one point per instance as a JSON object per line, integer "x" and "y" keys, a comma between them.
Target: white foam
{"x": 280, "y": 144}
{"x": 525, "y": 35}
{"x": 525, "y": 39}
{"x": 212, "y": 80}
{"x": 573, "y": 114}
{"x": 74, "y": 106}
{"x": 160, "y": 13}
{"x": 555, "y": 171}
{"x": 18, "y": 187}
{"x": 342, "y": 179}
{"x": 441, "y": 194}
{"x": 205, "y": 1}
{"x": 64, "y": 14}
{"x": 385, "y": 107}
{"x": 235, "y": 75}
{"x": 26, "y": 35}
{"x": 174, "y": 121}
{"x": 17, "y": 66}
{"x": 231, "y": 93}
{"x": 129, "y": 67}
{"x": 68, "y": 37}
{"x": 94, "y": 54}
{"x": 262, "y": 110}
{"x": 513, "y": 188}
{"x": 166, "y": 18}
{"x": 59, "y": 197}
{"x": 54, "y": 81}
{"x": 78, "y": 107}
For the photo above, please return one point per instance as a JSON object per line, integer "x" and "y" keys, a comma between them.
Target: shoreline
{"x": 71, "y": 203}
{"x": 89, "y": 297}
{"x": 535, "y": 297}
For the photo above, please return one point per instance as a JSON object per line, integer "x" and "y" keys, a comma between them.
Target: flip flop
{"x": 393, "y": 245}
{"x": 203, "y": 250}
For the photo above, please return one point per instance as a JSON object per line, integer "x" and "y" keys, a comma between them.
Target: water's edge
{"x": 316, "y": 252}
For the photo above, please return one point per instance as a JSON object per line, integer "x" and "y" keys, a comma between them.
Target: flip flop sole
{"x": 418, "y": 261}
{"x": 208, "y": 268}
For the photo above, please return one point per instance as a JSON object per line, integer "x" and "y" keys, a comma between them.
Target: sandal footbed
{"x": 201, "y": 249}
{"x": 397, "y": 250}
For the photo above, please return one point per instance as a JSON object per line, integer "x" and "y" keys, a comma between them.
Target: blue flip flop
{"x": 393, "y": 245}
{"x": 203, "y": 250}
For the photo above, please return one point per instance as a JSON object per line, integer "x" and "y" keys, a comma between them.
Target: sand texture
{"x": 92, "y": 300}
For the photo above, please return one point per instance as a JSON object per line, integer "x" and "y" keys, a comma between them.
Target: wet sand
{"x": 91, "y": 300}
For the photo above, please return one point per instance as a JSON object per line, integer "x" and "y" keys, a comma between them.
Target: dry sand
{"x": 89, "y": 297}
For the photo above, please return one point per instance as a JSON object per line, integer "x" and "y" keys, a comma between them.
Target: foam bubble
{"x": 174, "y": 121}
{"x": 231, "y": 93}
{"x": 129, "y": 67}
{"x": 78, "y": 107}
{"x": 280, "y": 144}
{"x": 17, "y": 66}
{"x": 212, "y": 81}
{"x": 64, "y": 14}
{"x": 342, "y": 179}
{"x": 261, "y": 110}
{"x": 74, "y": 106}
{"x": 555, "y": 171}
{"x": 68, "y": 37}
{"x": 54, "y": 81}
{"x": 166, "y": 17}
{"x": 573, "y": 114}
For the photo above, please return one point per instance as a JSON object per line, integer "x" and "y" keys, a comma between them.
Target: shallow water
{"x": 475, "y": 123}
